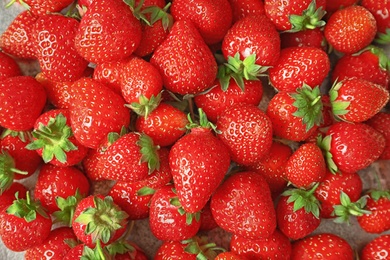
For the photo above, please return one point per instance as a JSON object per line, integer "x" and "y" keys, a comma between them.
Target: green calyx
{"x": 384, "y": 61}
{"x": 53, "y": 138}
{"x": 120, "y": 246}
{"x": 7, "y": 171}
{"x": 145, "y": 191}
{"x": 378, "y": 194}
{"x": 149, "y": 152}
{"x": 203, "y": 121}
{"x": 324, "y": 144}
{"x": 349, "y": 208}
{"x": 190, "y": 217}
{"x": 200, "y": 246}
{"x": 239, "y": 70}
{"x": 304, "y": 199}
{"x": 145, "y": 105}
{"x": 339, "y": 108}
{"x": 383, "y": 38}
{"x": 67, "y": 208}
{"x": 102, "y": 220}
{"x": 309, "y": 105}
{"x": 24, "y": 136}
{"x": 97, "y": 253}
{"x": 311, "y": 18}
{"x": 26, "y": 208}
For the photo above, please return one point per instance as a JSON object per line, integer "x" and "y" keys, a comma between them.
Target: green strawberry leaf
{"x": 311, "y": 18}
{"x": 7, "y": 171}
{"x": 324, "y": 144}
{"x": 144, "y": 191}
{"x": 98, "y": 253}
{"x": 67, "y": 208}
{"x": 383, "y": 38}
{"x": 145, "y": 106}
{"x": 339, "y": 108}
{"x": 149, "y": 152}
{"x": 349, "y": 208}
{"x": 26, "y": 208}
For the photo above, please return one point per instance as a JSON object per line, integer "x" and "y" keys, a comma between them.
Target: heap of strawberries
{"x": 163, "y": 101}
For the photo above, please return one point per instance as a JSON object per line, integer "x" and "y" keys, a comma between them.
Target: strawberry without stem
{"x": 378, "y": 248}
{"x": 380, "y": 122}
{"x": 8, "y": 66}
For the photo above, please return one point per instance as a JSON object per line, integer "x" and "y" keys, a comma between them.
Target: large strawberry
{"x": 378, "y": 8}
{"x": 193, "y": 68}
{"x": 377, "y": 248}
{"x": 8, "y": 66}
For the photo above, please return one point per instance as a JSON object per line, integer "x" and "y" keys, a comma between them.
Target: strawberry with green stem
{"x": 347, "y": 208}
{"x": 67, "y": 207}
{"x": 8, "y": 66}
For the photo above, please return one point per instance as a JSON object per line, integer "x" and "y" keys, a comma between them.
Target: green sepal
{"x": 311, "y": 18}
{"x": 67, "y": 208}
{"x": 189, "y": 216}
{"x": 349, "y": 208}
{"x": 21, "y": 2}
{"x": 383, "y": 38}
{"x": 7, "y": 171}
{"x": 156, "y": 14}
{"x": 149, "y": 152}
{"x": 26, "y": 208}
{"x": 53, "y": 138}
{"x": 339, "y": 108}
{"x": 309, "y": 105}
{"x": 136, "y": 10}
{"x": 144, "y": 191}
{"x": 378, "y": 194}
{"x": 98, "y": 253}
{"x": 203, "y": 121}
{"x": 202, "y": 248}
{"x": 24, "y": 136}
{"x": 384, "y": 61}
{"x": 145, "y": 106}
{"x": 324, "y": 144}
{"x": 120, "y": 246}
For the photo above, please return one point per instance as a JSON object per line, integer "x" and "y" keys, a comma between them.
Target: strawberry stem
{"x": 7, "y": 171}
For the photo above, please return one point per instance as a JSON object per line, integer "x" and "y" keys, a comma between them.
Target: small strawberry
{"x": 377, "y": 248}
{"x": 380, "y": 123}
{"x": 126, "y": 250}
{"x": 8, "y": 66}
{"x": 242, "y": 8}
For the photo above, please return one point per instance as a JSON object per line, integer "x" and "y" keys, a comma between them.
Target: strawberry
{"x": 41, "y": 7}
{"x": 242, "y": 8}
{"x": 377, "y": 248}
{"x": 212, "y": 18}
{"x": 17, "y": 38}
{"x": 247, "y": 131}
{"x": 254, "y": 34}
{"x": 207, "y": 221}
{"x": 323, "y": 244}
{"x": 55, "y": 246}
{"x": 75, "y": 252}
{"x": 378, "y": 8}
{"x": 7, "y": 197}
{"x": 95, "y": 111}
{"x": 380, "y": 123}
{"x": 242, "y": 205}
{"x": 21, "y": 90}
{"x": 332, "y": 6}
{"x": 305, "y": 38}
{"x": 126, "y": 250}
{"x": 8, "y": 66}
{"x": 276, "y": 246}
{"x": 53, "y": 36}
{"x": 305, "y": 166}
{"x": 351, "y": 147}
{"x": 24, "y": 224}
{"x": 351, "y": 99}
{"x": 199, "y": 162}
{"x": 228, "y": 256}
{"x": 108, "y": 31}
{"x": 54, "y": 181}
{"x": 187, "y": 72}
{"x": 82, "y": 251}
{"x": 350, "y": 29}
{"x": 297, "y": 66}
{"x": 297, "y": 15}
{"x": 167, "y": 220}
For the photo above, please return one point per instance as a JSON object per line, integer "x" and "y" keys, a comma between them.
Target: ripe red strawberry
{"x": 8, "y": 66}
{"x": 378, "y": 9}
{"x": 377, "y": 248}
{"x": 75, "y": 252}
{"x": 95, "y": 111}
{"x": 167, "y": 220}
{"x": 297, "y": 66}
{"x": 199, "y": 162}
{"x": 186, "y": 72}
{"x": 254, "y": 34}
{"x": 21, "y": 90}
{"x": 242, "y": 8}
{"x": 306, "y": 166}
{"x": 42, "y": 7}
{"x": 207, "y": 221}
{"x": 108, "y": 31}
{"x": 306, "y": 38}
{"x": 24, "y": 224}
{"x": 350, "y": 29}
{"x": 127, "y": 250}
{"x": 242, "y": 205}
{"x": 53, "y": 36}
{"x": 16, "y": 39}
{"x": 229, "y": 256}
{"x": 7, "y": 197}
{"x": 324, "y": 244}
{"x": 351, "y": 99}
{"x": 212, "y": 18}
{"x": 247, "y": 131}
{"x": 55, "y": 246}
{"x": 332, "y": 6}
{"x": 276, "y": 246}
{"x": 380, "y": 122}
{"x": 351, "y": 147}
{"x": 297, "y": 15}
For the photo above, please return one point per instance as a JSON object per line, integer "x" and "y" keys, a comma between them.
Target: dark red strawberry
{"x": 242, "y": 8}
{"x": 306, "y": 38}
{"x": 8, "y": 66}
{"x": 380, "y": 123}
{"x": 377, "y": 248}
{"x": 126, "y": 250}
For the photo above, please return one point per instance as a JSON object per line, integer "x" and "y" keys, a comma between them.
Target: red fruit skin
{"x": 332, "y": 6}
{"x": 350, "y": 29}
{"x": 377, "y": 248}
{"x": 229, "y": 256}
{"x": 380, "y": 123}
{"x": 42, "y": 7}
{"x": 254, "y": 34}
{"x": 299, "y": 65}
{"x": 74, "y": 253}
{"x": 8, "y": 196}
{"x": 165, "y": 221}
{"x": 187, "y": 72}
{"x": 136, "y": 254}
{"x": 243, "y": 8}
{"x": 21, "y": 90}
{"x": 379, "y": 220}
{"x": 306, "y": 38}
{"x": 329, "y": 189}
{"x": 55, "y": 247}
{"x": 207, "y": 221}
{"x": 54, "y": 181}
{"x": 199, "y": 162}
{"x": 276, "y": 246}
{"x": 173, "y": 250}
{"x": 241, "y": 196}
{"x": 354, "y": 146}
{"x": 216, "y": 101}
{"x": 378, "y": 9}
{"x": 247, "y": 131}
{"x": 8, "y": 66}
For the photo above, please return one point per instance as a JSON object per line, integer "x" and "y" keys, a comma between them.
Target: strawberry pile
{"x": 255, "y": 117}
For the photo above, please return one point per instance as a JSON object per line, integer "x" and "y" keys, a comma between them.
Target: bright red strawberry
{"x": 297, "y": 15}
{"x": 325, "y": 244}
{"x": 229, "y": 256}
{"x": 54, "y": 141}
{"x": 380, "y": 122}
{"x": 199, "y": 162}
{"x": 350, "y": 29}
{"x": 81, "y": 251}
{"x": 247, "y": 131}
{"x": 242, "y": 8}
{"x": 254, "y": 34}
{"x": 17, "y": 38}
{"x": 167, "y": 220}
{"x": 108, "y": 31}
{"x": 186, "y": 72}
{"x": 306, "y": 38}
{"x": 127, "y": 250}
{"x": 352, "y": 147}
{"x": 55, "y": 247}
{"x": 7, "y": 197}
{"x": 297, "y": 66}
{"x": 378, "y": 10}
{"x": 53, "y": 36}
{"x": 95, "y": 111}
{"x": 242, "y": 205}
{"x": 21, "y": 90}
{"x": 24, "y": 224}
{"x": 377, "y": 248}
{"x": 42, "y": 7}
{"x": 75, "y": 252}
{"x": 8, "y": 66}
{"x": 332, "y": 6}
{"x": 212, "y": 18}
